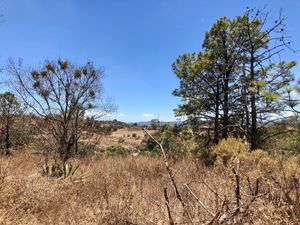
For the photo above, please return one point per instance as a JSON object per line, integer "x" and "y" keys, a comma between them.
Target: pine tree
{"x": 235, "y": 82}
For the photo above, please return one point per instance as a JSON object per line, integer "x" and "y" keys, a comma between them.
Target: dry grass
{"x": 124, "y": 132}
{"x": 129, "y": 138}
{"x": 130, "y": 191}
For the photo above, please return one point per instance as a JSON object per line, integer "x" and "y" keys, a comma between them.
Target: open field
{"x": 129, "y": 138}
{"x": 129, "y": 190}
{"x": 129, "y": 132}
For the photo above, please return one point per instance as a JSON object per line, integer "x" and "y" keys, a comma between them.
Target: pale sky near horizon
{"x": 136, "y": 41}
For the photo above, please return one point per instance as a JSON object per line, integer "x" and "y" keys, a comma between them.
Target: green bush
{"x": 148, "y": 144}
{"x": 86, "y": 149}
{"x": 19, "y": 138}
{"x": 114, "y": 150}
{"x": 174, "y": 145}
{"x": 204, "y": 153}
{"x": 106, "y": 130}
{"x": 187, "y": 135}
{"x": 134, "y": 135}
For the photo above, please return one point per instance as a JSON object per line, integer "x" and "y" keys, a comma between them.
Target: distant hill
{"x": 148, "y": 123}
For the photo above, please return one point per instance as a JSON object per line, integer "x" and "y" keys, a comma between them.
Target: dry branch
{"x": 170, "y": 172}
{"x": 171, "y": 222}
{"x": 199, "y": 201}
{"x": 171, "y": 175}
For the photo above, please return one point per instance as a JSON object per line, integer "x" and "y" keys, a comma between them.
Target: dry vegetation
{"x": 59, "y": 164}
{"x": 130, "y": 190}
{"x": 128, "y": 137}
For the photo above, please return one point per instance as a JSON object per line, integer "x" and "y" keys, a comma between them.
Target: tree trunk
{"x": 253, "y": 140}
{"x": 226, "y": 79}
{"x": 7, "y": 136}
{"x": 216, "y": 122}
{"x": 226, "y": 105}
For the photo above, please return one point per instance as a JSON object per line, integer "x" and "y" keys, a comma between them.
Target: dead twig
{"x": 236, "y": 172}
{"x": 199, "y": 201}
{"x": 171, "y": 175}
{"x": 171, "y": 222}
{"x": 213, "y": 191}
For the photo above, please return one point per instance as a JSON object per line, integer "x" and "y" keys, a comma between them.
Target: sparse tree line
{"x": 238, "y": 84}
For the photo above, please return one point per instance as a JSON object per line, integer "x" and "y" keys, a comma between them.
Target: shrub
{"x": 205, "y": 155}
{"x": 59, "y": 170}
{"x": 114, "y": 150}
{"x": 227, "y": 148}
{"x": 86, "y": 149}
{"x": 23, "y": 137}
{"x": 134, "y": 135}
{"x": 154, "y": 124}
{"x": 106, "y": 129}
{"x": 186, "y": 134}
{"x": 148, "y": 144}
{"x": 174, "y": 145}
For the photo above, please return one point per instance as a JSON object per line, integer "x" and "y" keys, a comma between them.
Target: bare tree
{"x": 61, "y": 93}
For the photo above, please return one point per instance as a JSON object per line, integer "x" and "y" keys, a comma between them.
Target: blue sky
{"x": 136, "y": 41}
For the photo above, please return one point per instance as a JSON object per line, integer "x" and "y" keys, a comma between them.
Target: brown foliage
{"x": 130, "y": 190}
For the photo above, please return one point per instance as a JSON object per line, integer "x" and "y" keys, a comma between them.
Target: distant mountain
{"x": 148, "y": 123}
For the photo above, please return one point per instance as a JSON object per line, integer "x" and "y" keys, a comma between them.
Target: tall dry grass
{"x": 130, "y": 190}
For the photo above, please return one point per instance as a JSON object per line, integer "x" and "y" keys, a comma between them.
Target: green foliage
{"x": 10, "y": 109}
{"x": 154, "y": 124}
{"x": 186, "y": 134}
{"x": 205, "y": 155}
{"x": 173, "y": 143}
{"x": 106, "y": 130}
{"x": 283, "y": 136}
{"x": 176, "y": 143}
{"x": 19, "y": 138}
{"x": 235, "y": 78}
{"x": 22, "y": 137}
{"x": 86, "y": 149}
{"x": 148, "y": 144}
{"x": 9, "y": 103}
{"x": 116, "y": 150}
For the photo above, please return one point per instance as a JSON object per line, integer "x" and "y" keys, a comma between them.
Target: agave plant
{"x": 60, "y": 170}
